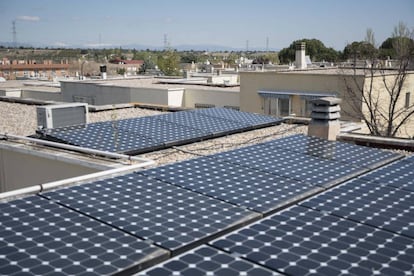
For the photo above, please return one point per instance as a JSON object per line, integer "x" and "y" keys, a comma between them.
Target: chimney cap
{"x": 327, "y": 101}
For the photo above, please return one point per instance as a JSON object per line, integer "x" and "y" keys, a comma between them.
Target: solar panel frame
{"x": 40, "y": 237}
{"x": 258, "y": 191}
{"x": 369, "y": 203}
{"x": 169, "y": 216}
{"x": 302, "y": 241}
{"x": 206, "y": 260}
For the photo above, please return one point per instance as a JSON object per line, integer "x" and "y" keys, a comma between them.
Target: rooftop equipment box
{"x": 62, "y": 115}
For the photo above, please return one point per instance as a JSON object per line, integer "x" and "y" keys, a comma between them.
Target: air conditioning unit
{"x": 62, "y": 115}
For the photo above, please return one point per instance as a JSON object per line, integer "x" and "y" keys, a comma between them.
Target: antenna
{"x": 267, "y": 44}
{"x": 166, "y": 44}
{"x": 14, "y": 33}
{"x": 247, "y": 45}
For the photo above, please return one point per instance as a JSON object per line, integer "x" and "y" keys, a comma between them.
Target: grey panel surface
{"x": 206, "y": 260}
{"x": 302, "y": 241}
{"x": 249, "y": 188}
{"x": 369, "y": 203}
{"x": 39, "y": 237}
{"x": 172, "y": 217}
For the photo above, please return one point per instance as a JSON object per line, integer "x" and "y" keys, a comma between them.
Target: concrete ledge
{"x": 378, "y": 142}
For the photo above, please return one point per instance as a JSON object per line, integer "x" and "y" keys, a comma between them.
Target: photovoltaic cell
{"x": 336, "y": 151}
{"x": 289, "y": 164}
{"x": 206, "y": 260}
{"x": 302, "y": 241}
{"x": 369, "y": 203}
{"x": 144, "y": 134}
{"x": 209, "y": 125}
{"x": 399, "y": 174}
{"x": 409, "y": 158}
{"x": 104, "y": 136}
{"x": 256, "y": 190}
{"x": 161, "y": 131}
{"x": 251, "y": 119}
{"x": 172, "y": 217}
{"x": 39, "y": 237}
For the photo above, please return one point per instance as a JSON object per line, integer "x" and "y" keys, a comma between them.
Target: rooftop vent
{"x": 62, "y": 115}
{"x": 300, "y": 58}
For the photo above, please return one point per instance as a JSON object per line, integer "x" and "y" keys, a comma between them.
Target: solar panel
{"x": 39, "y": 237}
{"x": 172, "y": 217}
{"x": 409, "y": 158}
{"x": 104, "y": 136}
{"x": 208, "y": 125}
{"x": 144, "y": 134}
{"x": 256, "y": 190}
{"x": 206, "y": 260}
{"x": 293, "y": 165}
{"x": 251, "y": 119}
{"x": 300, "y": 241}
{"x": 337, "y": 151}
{"x": 369, "y": 203}
{"x": 164, "y": 132}
{"x": 398, "y": 174}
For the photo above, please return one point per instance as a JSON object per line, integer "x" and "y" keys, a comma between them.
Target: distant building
{"x": 287, "y": 92}
{"x": 130, "y": 67}
{"x": 46, "y": 69}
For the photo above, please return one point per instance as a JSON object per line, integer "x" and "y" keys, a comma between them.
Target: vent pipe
{"x": 300, "y": 58}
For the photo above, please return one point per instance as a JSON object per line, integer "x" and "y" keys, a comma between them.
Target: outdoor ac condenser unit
{"x": 62, "y": 115}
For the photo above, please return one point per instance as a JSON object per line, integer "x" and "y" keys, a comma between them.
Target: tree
{"x": 314, "y": 48}
{"x": 168, "y": 62}
{"x": 382, "y": 92}
{"x": 360, "y": 50}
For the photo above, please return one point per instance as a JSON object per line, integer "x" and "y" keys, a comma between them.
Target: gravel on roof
{"x": 20, "y": 119}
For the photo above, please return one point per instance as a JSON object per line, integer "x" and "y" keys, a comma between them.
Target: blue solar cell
{"x": 206, "y": 124}
{"x": 170, "y": 216}
{"x": 164, "y": 132}
{"x": 409, "y": 158}
{"x": 251, "y": 119}
{"x": 290, "y": 164}
{"x": 40, "y": 237}
{"x": 256, "y": 190}
{"x": 370, "y": 203}
{"x": 337, "y": 151}
{"x": 144, "y": 134}
{"x": 104, "y": 136}
{"x": 399, "y": 174}
{"x": 301, "y": 241}
{"x": 206, "y": 260}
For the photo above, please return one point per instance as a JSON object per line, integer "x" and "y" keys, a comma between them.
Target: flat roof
{"x": 154, "y": 83}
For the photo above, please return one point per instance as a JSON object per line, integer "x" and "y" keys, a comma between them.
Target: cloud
{"x": 60, "y": 44}
{"x": 28, "y": 18}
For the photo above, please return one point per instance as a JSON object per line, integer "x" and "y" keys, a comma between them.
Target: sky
{"x": 231, "y": 23}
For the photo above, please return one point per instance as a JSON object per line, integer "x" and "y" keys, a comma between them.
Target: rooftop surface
{"x": 152, "y": 82}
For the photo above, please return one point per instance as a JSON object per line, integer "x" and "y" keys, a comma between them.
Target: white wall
{"x": 19, "y": 169}
{"x": 219, "y": 98}
{"x": 41, "y": 95}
